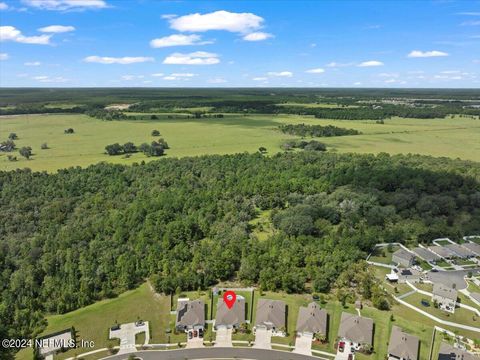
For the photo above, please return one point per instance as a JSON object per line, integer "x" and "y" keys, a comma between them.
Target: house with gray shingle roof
{"x": 271, "y": 315}
{"x": 445, "y": 297}
{"x": 404, "y": 258}
{"x": 448, "y": 352}
{"x": 356, "y": 329}
{"x": 402, "y": 346}
{"x": 442, "y": 251}
{"x": 426, "y": 255}
{"x": 460, "y": 251}
{"x": 230, "y": 318}
{"x": 473, "y": 247}
{"x": 312, "y": 320}
{"x": 190, "y": 315}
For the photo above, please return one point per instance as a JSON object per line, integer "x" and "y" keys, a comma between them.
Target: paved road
{"x": 215, "y": 353}
{"x": 448, "y": 278}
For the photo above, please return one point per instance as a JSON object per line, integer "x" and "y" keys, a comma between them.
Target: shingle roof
{"x": 356, "y": 328}
{"x": 312, "y": 319}
{"x": 473, "y": 247}
{"x": 442, "y": 251}
{"x": 403, "y": 345}
{"x": 271, "y": 312}
{"x": 448, "y": 352}
{"x": 426, "y": 254}
{"x": 443, "y": 291}
{"x": 190, "y": 313}
{"x": 459, "y": 250}
{"x": 403, "y": 254}
{"x": 233, "y": 316}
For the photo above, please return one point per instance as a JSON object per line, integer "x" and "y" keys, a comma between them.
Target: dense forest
{"x": 71, "y": 238}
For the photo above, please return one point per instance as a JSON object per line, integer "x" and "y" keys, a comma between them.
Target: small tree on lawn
{"x": 155, "y": 133}
{"x": 26, "y": 152}
{"x": 44, "y": 146}
{"x": 13, "y": 136}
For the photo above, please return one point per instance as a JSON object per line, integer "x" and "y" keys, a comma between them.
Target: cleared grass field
{"x": 92, "y": 322}
{"x": 453, "y": 138}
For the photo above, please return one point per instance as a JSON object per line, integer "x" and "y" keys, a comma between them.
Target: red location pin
{"x": 229, "y": 298}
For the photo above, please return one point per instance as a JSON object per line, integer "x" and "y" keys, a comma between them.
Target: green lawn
{"x": 382, "y": 255}
{"x": 462, "y": 316}
{"x": 443, "y": 242}
{"x": 231, "y": 134}
{"x": 473, "y": 287}
{"x": 92, "y": 322}
{"x": 262, "y": 227}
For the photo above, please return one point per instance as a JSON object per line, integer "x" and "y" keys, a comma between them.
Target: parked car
{"x": 350, "y": 356}
{"x": 195, "y": 333}
{"x": 189, "y": 334}
{"x": 341, "y": 346}
{"x": 200, "y": 333}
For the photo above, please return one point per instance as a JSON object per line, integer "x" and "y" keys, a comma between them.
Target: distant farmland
{"x": 452, "y": 138}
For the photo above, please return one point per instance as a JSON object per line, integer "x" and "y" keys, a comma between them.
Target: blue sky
{"x": 122, "y": 43}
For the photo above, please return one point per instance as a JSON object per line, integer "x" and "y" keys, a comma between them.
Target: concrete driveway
{"x": 263, "y": 339}
{"x": 127, "y": 333}
{"x": 303, "y": 344}
{"x": 224, "y": 337}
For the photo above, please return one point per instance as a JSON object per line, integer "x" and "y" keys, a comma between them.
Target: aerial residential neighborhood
{"x": 239, "y": 180}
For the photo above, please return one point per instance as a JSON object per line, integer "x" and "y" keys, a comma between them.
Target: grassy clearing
{"x": 383, "y": 255}
{"x": 262, "y": 227}
{"x": 461, "y": 316}
{"x": 92, "y": 322}
{"x": 231, "y": 134}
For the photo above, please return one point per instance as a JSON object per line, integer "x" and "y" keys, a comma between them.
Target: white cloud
{"x": 315, "y": 71}
{"x": 471, "y": 23}
{"x": 280, "y": 74}
{"x": 10, "y": 33}
{"x": 169, "y": 78}
{"x": 195, "y": 58}
{"x": 448, "y": 77}
{"x": 183, "y": 74}
{"x": 370, "y": 63}
{"x": 48, "y": 79}
{"x": 119, "y": 60}
{"x": 218, "y": 20}
{"x": 128, "y": 77}
{"x": 260, "y": 78}
{"x": 56, "y": 29}
{"x": 216, "y": 81}
{"x": 389, "y": 75}
{"x": 3, "y": 6}
{"x": 469, "y": 13}
{"x": 158, "y": 74}
{"x": 32, "y": 63}
{"x": 358, "y": 83}
{"x": 4, "y": 56}
{"x": 425, "y": 54}
{"x": 168, "y": 16}
{"x": 178, "y": 40}
{"x": 257, "y": 36}
{"x": 62, "y": 5}
{"x": 335, "y": 64}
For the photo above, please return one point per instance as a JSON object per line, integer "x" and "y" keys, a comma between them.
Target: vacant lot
{"x": 92, "y": 322}
{"x": 232, "y": 134}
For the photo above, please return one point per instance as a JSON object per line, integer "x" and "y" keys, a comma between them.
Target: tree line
{"x": 316, "y": 130}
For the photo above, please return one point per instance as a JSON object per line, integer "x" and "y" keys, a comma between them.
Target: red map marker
{"x": 229, "y": 298}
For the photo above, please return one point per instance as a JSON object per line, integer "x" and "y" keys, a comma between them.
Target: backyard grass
{"x": 231, "y": 134}
{"x": 383, "y": 255}
{"x": 262, "y": 227}
{"x": 472, "y": 287}
{"x": 461, "y": 316}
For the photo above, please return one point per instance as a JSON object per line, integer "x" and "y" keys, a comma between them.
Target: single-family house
{"x": 448, "y": 352}
{"x": 271, "y": 315}
{"x": 190, "y": 315}
{"x": 312, "y": 320}
{"x": 445, "y": 297}
{"x": 426, "y": 255}
{"x": 357, "y": 330}
{"x": 404, "y": 258}
{"x": 230, "y": 318}
{"x": 402, "y": 346}
{"x": 51, "y": 344}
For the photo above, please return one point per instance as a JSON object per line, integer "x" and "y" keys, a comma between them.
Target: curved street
{"x": 214, "y": 353}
